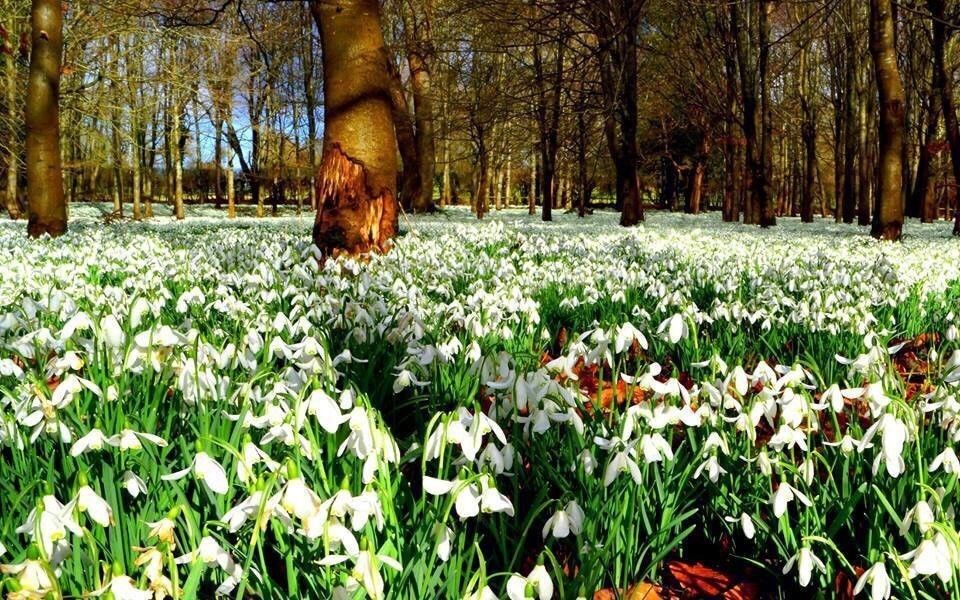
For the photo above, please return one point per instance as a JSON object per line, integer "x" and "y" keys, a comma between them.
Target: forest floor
{"x": 495, "y": 409}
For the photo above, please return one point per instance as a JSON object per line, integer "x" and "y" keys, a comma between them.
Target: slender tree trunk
{"x": 864, "y": 109}
{"x": 356, "y": 187}
{"x": 13, "y": 139}
{"x": 421, "y": 83}
{"x": 508, "y": 178}
{"x": 231, "y": 195}
{"x": 888, "y": 222}
{"x": 48, "y": 211}
{"x": 532, "y": 197}
{"x": 176, "y": 156}
{"x": 763, "y": 190}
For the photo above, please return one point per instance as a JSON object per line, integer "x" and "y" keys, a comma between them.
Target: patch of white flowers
{"x": 197, "y": 402}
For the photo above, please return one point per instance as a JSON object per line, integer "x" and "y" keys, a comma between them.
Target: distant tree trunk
{"x": 888, "y": 221}
{"x": 698, "y": 175}
{"x": 421, "y": 84}
{"x": 411, "y": 186}
{"x": 231, "y": 197}
{"x": 851, "y": 101}
{"x": 616, "y": 24}
{"x": 924, "y": 195}
{"x": 48, "y": 211}
{"x": 311, "y": 108}
{"x": 356, "y": 182}
{"x": 13, "y": 141}
{"x": 757, "y": 116}
{"x": 177, "y": 158}
{"x": 808, "y": 133}
{"x": 532, "y": 196}
{"x": 763, "y": 186}
{"x": 218, "y": 161}
{"x": 445, "y": 193}
{"x": 583, "y": 177}
{"x": 864, "y": 111}
{"x": 507, "y": 178}
{"x": 938, "y": 12}
{"x": 730, "y": 205}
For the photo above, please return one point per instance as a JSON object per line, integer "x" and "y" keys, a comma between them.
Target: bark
{"x": 356, "y": 182}
{"x": 808, "y": 133}
{"x": 48, "y": 211}
{"x": 888, "y": 221}
{"x": 13, "y": 141}
{"x": 938, "y": 11}
{"x": 231, "y": 199}
{"x": 850, "y": 121}
{"x": 864, "y": 109}
{"x": 411, "y": 186}
{"x": 421, "y": 83}
{"x": 924, "y": 195}
{"x": 616, "y": 24}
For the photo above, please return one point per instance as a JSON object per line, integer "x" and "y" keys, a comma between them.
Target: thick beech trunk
{"x": 356, "y": 182}
{"x": 888, "y": 220}
{"x": 48, "y": 211}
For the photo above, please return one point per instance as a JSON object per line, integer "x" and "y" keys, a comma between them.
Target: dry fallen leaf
{"x": 699, "y": 581}
{"x": 641, "y": 591}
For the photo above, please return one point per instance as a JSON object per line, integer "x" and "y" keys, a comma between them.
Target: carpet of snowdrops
{"x": 497, "y": 409}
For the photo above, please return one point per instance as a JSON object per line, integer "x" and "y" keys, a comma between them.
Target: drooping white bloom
{"x": 206, "y": 470}
{"x": 785, "y": 494}
{"x": 746, "y": 524}
{"x": 876, "y": 576}
{"x": 90, "y": 502}
{"x": 806, "y": 562}
{"x": 538, "y": 581}
{"x": 565, "y": 521}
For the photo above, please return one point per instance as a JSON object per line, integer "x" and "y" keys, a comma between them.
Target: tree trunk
{"x": 888, "y": 221}
{"x": 176, "y": 155}
{"x": 13, "y": 141}
{"x": 420, "y": 82}
{"x": 231, "y": 196}
{"x": 356, "y": 182}
{"x": 48, "y": 211}
{"x": 924, "y": 193}
{"x": 864, "y": 109}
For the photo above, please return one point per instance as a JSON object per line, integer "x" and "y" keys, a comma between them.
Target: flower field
{"x": 496, "y": 409}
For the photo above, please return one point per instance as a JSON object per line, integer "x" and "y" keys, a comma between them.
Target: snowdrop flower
{"x": 785, "y": 494}
{"x": 210, "y": 553}
{"x": 484, "y": 593}
{"x": 129, "y": 439}
{"x": 444, "y": 541}
{"x": 622, "y": 462}
{"x": 806, "y": 562}
{"x": 673, "y": 329}
{"x": 133, "y": 484}
{"x": 537, "y": 582}
{"x": 746, "y": 524}
{"x": 893, "y": 437}
{"x": 947, "y": 460}
{"x": 876, "y": 576}
{"x": 470, "y": 498}
{"x": 122, "y": 587}
{"x": 921, "y": 514}
{"x": 32, "y": 575}
{"x": 365, "y": 572}
{"x": 626, "y": 335}
{"x": 88, "y": 501}
{"x": 163, "y": 530}
{"x": 204, "y": 469}
{"x": 565, "y": 521}
{"x": 712, "y": 466}
{"x": 94, "y": 440}
{"x": 931, "y": 557}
